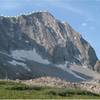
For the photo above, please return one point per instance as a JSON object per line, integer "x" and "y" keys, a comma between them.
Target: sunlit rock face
{"x": 41, "y": 38}
{"x": 97, "y": 66}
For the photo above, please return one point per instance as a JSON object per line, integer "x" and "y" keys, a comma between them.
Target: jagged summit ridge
{"x": 26, "y": 13}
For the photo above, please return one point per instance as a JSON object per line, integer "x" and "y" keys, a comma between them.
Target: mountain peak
{"x": 39, "y": 39}
{"x": 47, "y": 13}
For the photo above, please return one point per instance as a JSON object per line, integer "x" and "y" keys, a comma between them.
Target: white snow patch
{"x": 17, "y": 73}
{"x": 77, "y": 58}
{"x": 84, "y": 66}
{"x": 84, "y": 24}
{"x": 64, "y": 67}
{"x": 37, "y": 22}
{"x": 27, "y": 41}
{"x": 86, "y": 71}
{"x": 75, "y": 38}
{"x": 28, "y": 54}
{"x": 13, "y": 62}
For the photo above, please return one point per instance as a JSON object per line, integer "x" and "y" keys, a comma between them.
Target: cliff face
{"x": 41, "y": 38}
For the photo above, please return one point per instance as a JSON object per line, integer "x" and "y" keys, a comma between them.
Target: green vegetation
{"x": 13, "y": 90}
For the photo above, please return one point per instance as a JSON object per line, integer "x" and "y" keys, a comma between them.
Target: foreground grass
{"x": 12, "y": 90}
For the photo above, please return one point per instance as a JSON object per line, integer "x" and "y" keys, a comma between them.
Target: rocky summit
{"x": 38, "y": 44}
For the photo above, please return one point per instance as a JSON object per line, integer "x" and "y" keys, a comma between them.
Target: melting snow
{"x": 84, "y": 66}
{"x": 13, "y": 62}
{"x": 33, "y": 55}
{"x": 28, "y": 54}
{"x": 64, "y": 67}
{"x": 27, "y": 41}
{"x": 75, "y": 38}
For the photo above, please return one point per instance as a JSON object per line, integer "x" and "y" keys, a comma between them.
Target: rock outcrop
{"x": 97, "y": 66}
{"x": 92, "y": 86}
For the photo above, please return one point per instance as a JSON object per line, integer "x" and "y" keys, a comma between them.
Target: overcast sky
{"x": 82, "y": 15}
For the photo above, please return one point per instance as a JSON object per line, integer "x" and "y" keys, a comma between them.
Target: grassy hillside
{"x": 13, "y": 90}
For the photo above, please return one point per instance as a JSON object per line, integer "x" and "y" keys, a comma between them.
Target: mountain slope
{"x": 38, "y": 39}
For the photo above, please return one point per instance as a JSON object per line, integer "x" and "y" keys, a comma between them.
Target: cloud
{"x": 72, "y": 9}
{"x": 78, "y": 11}
{"x": 42, "y": 1}
{"x": 92, "y": 28}
{"x": 65, "y": 5}
{"x": 9, "y": 4}
{"x": 84, "y": 24}
{"x": 17, "y": 4}
{"x": 13, "y": 5}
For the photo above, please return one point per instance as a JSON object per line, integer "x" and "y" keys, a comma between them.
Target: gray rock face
{"x": 54, "y": 42}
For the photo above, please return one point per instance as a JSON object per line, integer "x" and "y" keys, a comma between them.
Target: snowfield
{"x": 15, "y": 63}
{"x": 28, "y": 55}
{"x": 79, "y": 72}
{"x": 34, "y": 56}
{"x": 65, "y": 68}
